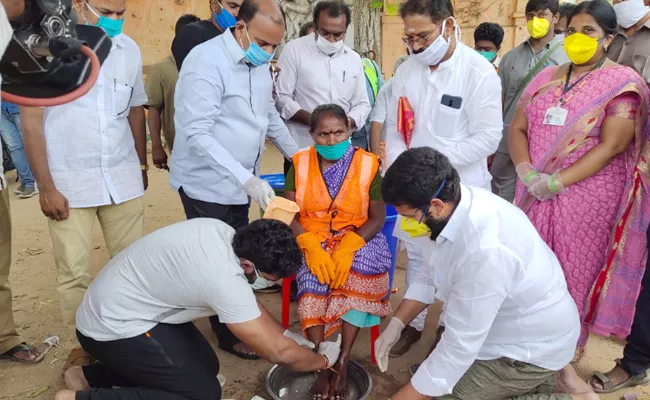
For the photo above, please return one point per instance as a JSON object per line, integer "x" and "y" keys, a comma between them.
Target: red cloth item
{"x": 405, "y": 120}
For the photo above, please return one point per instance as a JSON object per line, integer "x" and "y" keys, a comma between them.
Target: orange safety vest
{"x": 321, "y": 214}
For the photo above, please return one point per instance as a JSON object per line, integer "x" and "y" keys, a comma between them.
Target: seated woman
{"x": 344, "y": 279}
{"x": 579, "y": 140}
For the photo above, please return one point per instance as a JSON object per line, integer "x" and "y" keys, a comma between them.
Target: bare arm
{"x": 408, "y": 310}
{"x": 138, "y": 129}
{"x": 408, "y": 392}
{"x": 302, "y": 117}
{"x": 295, "y": 224}
{"x": 157, "y": 151}
{"x": 615, "y": 137}
{"x": 265, "y": 337}
{"x": 518, "y": 137}
{"x": 376, "y": 218}
{"x": 53, "y": 204}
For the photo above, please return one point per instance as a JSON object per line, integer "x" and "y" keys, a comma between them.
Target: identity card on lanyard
{"x": 556, "y": 116}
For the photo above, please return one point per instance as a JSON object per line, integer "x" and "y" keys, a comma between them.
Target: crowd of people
{"x": 521, "y": 182}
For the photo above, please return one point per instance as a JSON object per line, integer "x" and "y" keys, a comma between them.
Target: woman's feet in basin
{"x": 339, "y": 381}
{"x": 320, "y": 388}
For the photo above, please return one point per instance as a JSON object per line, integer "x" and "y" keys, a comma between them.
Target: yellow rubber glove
{"x": 343, "y": 256}
{"x": 318, "y": 260}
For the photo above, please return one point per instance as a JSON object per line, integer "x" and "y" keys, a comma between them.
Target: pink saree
{"x": 597, "y": 228}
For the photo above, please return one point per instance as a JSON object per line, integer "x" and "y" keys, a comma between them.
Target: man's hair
{"x": 566, "y": 9}
{"x": 415, "y": 177}
{"x": 327, "y": 109}
{"x": 489, "y": 31}
{"x": 304, "y": 30}
{"x": 334, "y": 8}
{"x": 541, "y": 5}
{"x": 185, "y": 20}
{"x": 270, "y": 245}
{"x": 437, "y": 10}
{"x": 249, "y": 9}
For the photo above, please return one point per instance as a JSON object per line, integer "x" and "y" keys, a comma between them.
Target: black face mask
{"x": 436, "y": 226}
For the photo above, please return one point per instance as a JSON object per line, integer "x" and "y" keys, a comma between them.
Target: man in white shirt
{"x": 510, "y": 322}
{"x": 455, "y": 95}
{"x": 89, "y": 157}
{"x": 320, "y": 69}
{"x": 136, "y": 318}
{"x": 224, "y": 113}
{"x": 12, "y": 347}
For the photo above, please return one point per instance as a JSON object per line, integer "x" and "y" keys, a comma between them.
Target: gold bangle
{"x": 144, "y": 167}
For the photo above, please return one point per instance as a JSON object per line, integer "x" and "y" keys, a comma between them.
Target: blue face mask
{"x": 112, "y": 27}
{"x": 333, "y": 152}
{"x": 489, "y": 55}
{"x": 255, "y": 54}
{"x": 224, "y": 19}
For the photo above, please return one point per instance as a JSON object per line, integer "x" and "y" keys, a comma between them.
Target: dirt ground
{"x": 36, "y": 307}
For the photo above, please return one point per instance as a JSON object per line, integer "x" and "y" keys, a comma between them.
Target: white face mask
{"x": 436, "y": 51}
{"x": 630, "y": 12}
{"x": 328, "y": 47}
{"x": 560, "y": 37}
{"x": 261, "y": 282}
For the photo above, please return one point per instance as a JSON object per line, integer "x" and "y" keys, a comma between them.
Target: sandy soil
{"x": 36, "y": 308}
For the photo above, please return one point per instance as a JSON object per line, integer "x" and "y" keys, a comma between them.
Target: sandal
{"x": 23, "y": 347}
{"x": 641, "y": 379}
{"x": 78, "y": 357}
{"x": 231, "y": 349}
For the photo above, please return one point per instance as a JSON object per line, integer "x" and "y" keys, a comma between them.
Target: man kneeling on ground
{"x": 136, "y": 317}
{"x": 510, "y": 322}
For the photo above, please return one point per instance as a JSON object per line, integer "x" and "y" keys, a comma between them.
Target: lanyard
{"x": 568, "y": 87}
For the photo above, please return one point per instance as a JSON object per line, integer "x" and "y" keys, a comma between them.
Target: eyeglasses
{"x": 425, "y": 209}
{"x": 422, "y": 40}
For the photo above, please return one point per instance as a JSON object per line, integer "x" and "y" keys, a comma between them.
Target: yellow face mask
{"x": 414, "y": 228}
{"x": 538, "y": 27}
{"x": 580, "y": 48}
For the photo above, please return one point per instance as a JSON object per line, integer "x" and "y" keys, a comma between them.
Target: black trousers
{"x": 234, "y": 215}
{"x": 636, "y": 356}
{"x": 170, "y": 362}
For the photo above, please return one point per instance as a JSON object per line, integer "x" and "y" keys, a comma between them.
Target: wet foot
{"x": 616, "y": 376}
{"x": 241, "y": 348}
{"x": 339, "y": 381}
{"x": 75, "y": 379}
{"x": 321, "y": 386}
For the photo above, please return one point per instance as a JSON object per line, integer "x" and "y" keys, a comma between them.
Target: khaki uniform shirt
{"x": 633, "y": 52}
{"x": 160, "y": 87}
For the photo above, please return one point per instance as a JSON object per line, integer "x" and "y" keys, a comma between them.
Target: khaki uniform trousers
{"x": 122, "y": 224}
{"x": 505, "y": 378}
{"x": 9, "y": 338}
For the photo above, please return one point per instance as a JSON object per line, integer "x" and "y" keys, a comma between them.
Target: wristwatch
{"x": 144, "y": 167}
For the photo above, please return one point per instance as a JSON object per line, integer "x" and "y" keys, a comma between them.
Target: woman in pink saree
{"x": 581, "y": 149}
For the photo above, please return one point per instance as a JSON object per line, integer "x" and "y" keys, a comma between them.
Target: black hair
{"x": 437, "y": 10}
{"x": 415, "y": 177}
{"x": 249, "y": 9}
{"x": 185, "y": 20}
{"x": 304, "y": 30}
{"x": 489, "y": 31}
{"x": 566, "y": 9}
{"x": 270, "y": 245}
{"x": 334, "y": 8}
{"x": 541, "y": 5}
{"x": 601, "y": 11}
{"x": 329, "y": 109}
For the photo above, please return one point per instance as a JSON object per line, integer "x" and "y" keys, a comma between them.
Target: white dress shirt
{"x": 467, "y": 135}
{"x": 504, "y": 291}
{"x": 90, "y": 147}
{"x": 309, "y": 78}
{"x": 224, "y": 111}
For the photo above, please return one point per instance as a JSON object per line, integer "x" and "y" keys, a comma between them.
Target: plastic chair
{"x": 387, "y": 230}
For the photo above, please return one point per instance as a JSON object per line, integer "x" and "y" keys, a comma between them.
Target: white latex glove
{"x": 260, "y": 191}
{"x": 3, "y": 181}
{"x": 386, "y": 341}
{"x": 330, "y": 350}
{"x": 299, "y": 338}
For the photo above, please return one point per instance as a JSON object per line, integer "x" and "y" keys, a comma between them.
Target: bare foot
{"x": 321, "y": 387}
{"x": 75, "y": 379}
{"x": 617, "y": 376}
{"x": 65, "y": 395}
{"x": 339, "y": 382}
{"x": 24, "y": 353}
{"x": 569, "y": 382}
